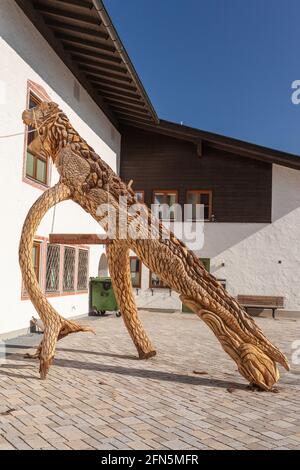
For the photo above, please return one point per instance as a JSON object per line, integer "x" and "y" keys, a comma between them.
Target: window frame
{"x": 140, "y": 271}
{"x": 82, "y": 289}
{"x": 43, "y": 245}
{"x": 38, "y": 245}
{"x": 156, "y": 287}
{"x": 36, "y": 158}
{"x": 199, "y": 192}
{"x": 58, "y": 290}
{"x": 166, "y": 192}
{"x": 142, "y": 192}
{"x": 39, "y": 94}
{"x": 72, "y": 290}
{"x": 38, "y": 241}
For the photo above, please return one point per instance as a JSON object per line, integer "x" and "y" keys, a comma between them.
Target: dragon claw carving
{"x": 255, "y": 364}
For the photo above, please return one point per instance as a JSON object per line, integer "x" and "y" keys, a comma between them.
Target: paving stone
{"x": 17, "y": 443}
{"x": 70, "y": 433}
{"x": 98, "y": 396}
{"x": 35, "y": 442}
{"x": 5, "y": 445}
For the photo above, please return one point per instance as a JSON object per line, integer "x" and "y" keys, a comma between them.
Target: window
{"x": 156, "y": 282}
{"x": 140, "y": 196}
{"x": 82, "y": 277}
{"x": 199, "y": 197}
{"x": 135, "y": 270}
{"x": 59, "y": 269}
{"x": 168, "y": 199}
{"x": 36, "y": 257}
{"x": 36, "y": 165}
{"x": 52, "y": 268}
{"x": 69, "y": 269}
{"x": 36, "y": 261}
{"x": 206, "y": 263}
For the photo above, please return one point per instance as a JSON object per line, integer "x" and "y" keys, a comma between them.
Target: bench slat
{"x": 261, "y": 301}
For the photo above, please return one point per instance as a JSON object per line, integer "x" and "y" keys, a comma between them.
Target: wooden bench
{"x": 261, "y": 301}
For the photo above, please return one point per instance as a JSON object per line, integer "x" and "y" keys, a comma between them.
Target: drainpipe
{"x": 105, "y": 19}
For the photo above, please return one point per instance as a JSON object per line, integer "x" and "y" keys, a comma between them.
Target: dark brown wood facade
{"x": 241, "y": 187}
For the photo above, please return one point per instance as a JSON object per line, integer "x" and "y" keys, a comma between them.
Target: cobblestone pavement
{"x": 99, "y": 396}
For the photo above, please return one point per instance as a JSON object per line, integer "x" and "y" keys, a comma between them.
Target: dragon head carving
{"x": 36, "y": 117}
{"x": 46, "y": 118}
{"x": 78, "y": 164}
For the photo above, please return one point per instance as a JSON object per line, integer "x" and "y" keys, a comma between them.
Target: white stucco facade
{"x": 25, "y": 55}
{"x": 254, "y": 259}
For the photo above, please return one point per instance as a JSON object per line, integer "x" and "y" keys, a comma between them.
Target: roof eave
{"x": 107, "y": 22}
{"x": 220, "y": 142}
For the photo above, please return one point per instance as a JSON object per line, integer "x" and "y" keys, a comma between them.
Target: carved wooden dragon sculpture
{"x": 89, "y": 181}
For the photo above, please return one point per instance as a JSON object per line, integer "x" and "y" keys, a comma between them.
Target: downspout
{"x": 105, "y": 19}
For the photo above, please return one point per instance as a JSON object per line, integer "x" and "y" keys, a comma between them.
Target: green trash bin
{"x": 102, "y": 296}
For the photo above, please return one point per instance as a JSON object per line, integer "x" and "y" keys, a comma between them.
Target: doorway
{"x": 103, "y": 266}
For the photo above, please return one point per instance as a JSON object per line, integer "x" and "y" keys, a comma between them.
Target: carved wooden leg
{"x": 48, "y": 349}
{"x": 119, "y": 268}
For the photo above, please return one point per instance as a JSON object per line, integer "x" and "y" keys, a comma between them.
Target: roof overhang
{"x": 204, "y": 140}
{"x": 83, "y": 36}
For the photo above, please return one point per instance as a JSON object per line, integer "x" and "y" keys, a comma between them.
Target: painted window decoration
{"x": 82, "y": 277}
{"x": 36, "y": 164}
{"x": 36, "y": 259}
{"x": 155, "y": 281}
{"x": 69, "y": 269}
{"x": 203, "y": 197}
{"x": 165, "y": 199}
{"x": 52, "y": 268}
{"x": 135, "y": 271}
{"x": 140, "y": 196}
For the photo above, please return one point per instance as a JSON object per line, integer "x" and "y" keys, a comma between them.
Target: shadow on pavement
{"x": 129, "y": 371}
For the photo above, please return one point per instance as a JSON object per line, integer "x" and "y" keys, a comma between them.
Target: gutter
{"x": 105, "y": 19}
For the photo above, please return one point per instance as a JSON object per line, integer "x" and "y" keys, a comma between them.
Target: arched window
{"x": 103, "y": 267}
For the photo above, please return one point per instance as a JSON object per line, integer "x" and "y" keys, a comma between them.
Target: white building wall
{"x": 25, "y": 55}
{"x": 261, "y": 259}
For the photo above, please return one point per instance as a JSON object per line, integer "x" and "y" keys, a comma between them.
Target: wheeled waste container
{"x": 102, "y": 296}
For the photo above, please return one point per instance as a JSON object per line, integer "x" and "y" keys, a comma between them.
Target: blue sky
{"x": 224, "y": 66}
